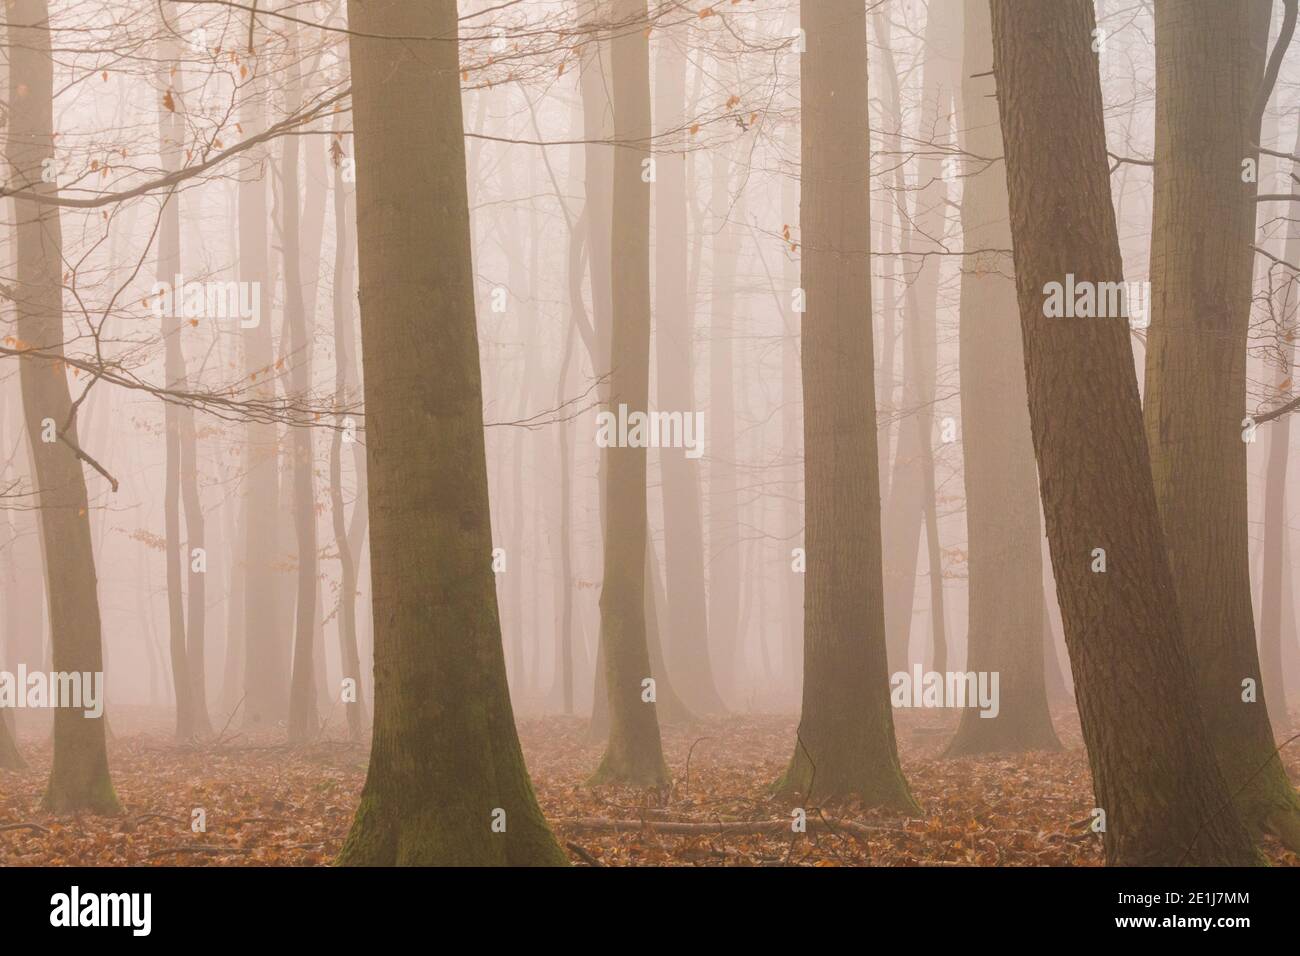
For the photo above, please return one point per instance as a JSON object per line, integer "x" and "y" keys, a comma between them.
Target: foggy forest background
{"x": 268, "y": 529}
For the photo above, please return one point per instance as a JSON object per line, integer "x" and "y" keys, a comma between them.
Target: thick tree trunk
{"x": 1154, "y": 774}
{"x": 79, "y": 779}
{"x": 845, "y": 743}
{"x": 1209, "y": 62}
{"x": 1007, "y": 619}
{"x": 447, "y": 783}
{"x": 633, "y": 753}
{"x": 686, "y": 629}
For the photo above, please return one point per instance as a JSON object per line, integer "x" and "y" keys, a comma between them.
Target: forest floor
{"x": 265, "y": 803}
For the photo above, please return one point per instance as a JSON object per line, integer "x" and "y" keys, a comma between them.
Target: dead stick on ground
{"x": 6, "y": 827}
{"x": 584, "y": 855}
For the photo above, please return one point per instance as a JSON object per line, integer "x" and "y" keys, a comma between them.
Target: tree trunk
{"x": 686, "y": 631}
{"x": 724, "y": 495}
{"x": 1209, "y": 62}
{"x": 447, "y": 783}
{"x": 845, "y": 742}
{"x": 1154, "y": 774}
{"x": 346, "y": 392}
{"x": 171, "y": 129}
{"x": 265, "y": 677}
{"x": 1272, "y": 598}
{"x": 1007, "y": 620}
{"x": 907, "y": 503}
{"x": 633, "y": 752}
{"x": 304, "y": 720}
{"x": 79, "y": 779}
{"x": 791, "y": 450}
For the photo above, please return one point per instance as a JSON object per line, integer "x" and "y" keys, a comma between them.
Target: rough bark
{"x": 1154, "y": 773}
{"x": 1209, "y": 62}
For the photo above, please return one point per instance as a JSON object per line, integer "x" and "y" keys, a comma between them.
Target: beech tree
{"x": 447, "y": 782}
{"x": 1154, "y": 773}
{"x": 79, "y": 778}
{"x": 633, "y": 752}
{"x": 845, "y": 741}
{"x": 1209, "y": 68}
{"x": 1006, "y": 612}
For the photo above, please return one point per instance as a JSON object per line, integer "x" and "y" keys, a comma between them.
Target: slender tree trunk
{"x": 304, "y": 720}
{"x": 888, "y": 264}
{"x": 171, "y": 129}
{"x": 1007, "y": 626}
{"x": 791, "y": 452}
{"x": 724, "y": 497}
{"x": 10, "y": 758}
{"x": 232, "y": 671}
{"x": 907, "y": 486}
{"x": 633, "y": 752}
{"x": 669, "y": 705}
{"x": 597, "y": 115}
{"x": 447, "y": 783}
{"x": 265, "y": 678}
{"x": 345, "y": 392}
{"x": 1275, "y": 514}
{"x": 1209, "y": 62}
{"x": 1154, "y": 774}
{"x": 79, "y": 779}
{"x": 845, "y": 742}
{"x": 686, "y": 632}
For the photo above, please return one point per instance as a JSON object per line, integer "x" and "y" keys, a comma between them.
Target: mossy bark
{"x": 845, "y": 743}
{"x": 447, "y": 783}
{"x": 1209, "y": 64}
